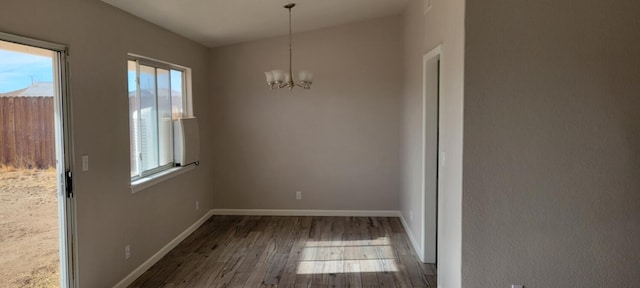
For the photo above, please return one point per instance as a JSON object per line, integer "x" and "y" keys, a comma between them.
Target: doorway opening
{"x": 35, "y": 178}
{"x": 430, "y": 151}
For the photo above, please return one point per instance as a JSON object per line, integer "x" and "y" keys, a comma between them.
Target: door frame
{"x": 430, "y": 197}
{"x": 64, "y": 148}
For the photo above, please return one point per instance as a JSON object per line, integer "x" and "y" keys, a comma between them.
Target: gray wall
{"x": 337, "y": 143}
{"x": 552, "y": 144}
{"x": 444, "y": 24}
{"x": 109, "y": 216}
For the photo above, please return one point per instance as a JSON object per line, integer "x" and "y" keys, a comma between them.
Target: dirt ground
{"x": 28, "y": 228}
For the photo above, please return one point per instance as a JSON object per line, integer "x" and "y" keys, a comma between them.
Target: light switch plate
{"x": 85, "y": 162}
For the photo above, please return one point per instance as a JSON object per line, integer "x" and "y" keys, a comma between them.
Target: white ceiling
{"x": 221, "y": 22}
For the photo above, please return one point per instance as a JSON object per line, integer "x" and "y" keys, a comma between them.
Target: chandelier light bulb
{"x": 269, "y": 76}
{"x": 278, "y": 75}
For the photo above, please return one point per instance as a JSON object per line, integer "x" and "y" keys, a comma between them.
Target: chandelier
{"x": 277, "y": 79}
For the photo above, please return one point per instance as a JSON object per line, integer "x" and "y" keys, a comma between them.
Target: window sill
{"x": 151, "y": 180}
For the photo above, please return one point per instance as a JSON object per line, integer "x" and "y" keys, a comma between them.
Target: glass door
{"x": 36, "y": 199}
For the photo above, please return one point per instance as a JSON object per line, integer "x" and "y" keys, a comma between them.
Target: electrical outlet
{"x": 127, "y": 251}
{"x": 197, "y": 205}
{"x": 298, "y": 195}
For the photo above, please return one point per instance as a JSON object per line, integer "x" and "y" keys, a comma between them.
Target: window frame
{"x": 186, "y": 108}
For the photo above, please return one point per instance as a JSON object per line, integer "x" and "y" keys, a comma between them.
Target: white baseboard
{"x": 416, "y": 247}
{"x": 166, "y": 249}
{"x": 292, "y": 212}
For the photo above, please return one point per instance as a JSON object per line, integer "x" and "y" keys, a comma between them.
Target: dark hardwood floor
{"x": 258, "y": 251}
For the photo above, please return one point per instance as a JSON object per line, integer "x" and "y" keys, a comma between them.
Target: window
{"x": 157, "y": 96}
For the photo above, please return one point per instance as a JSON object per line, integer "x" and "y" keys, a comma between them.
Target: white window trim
{"x": 143, "y": 183}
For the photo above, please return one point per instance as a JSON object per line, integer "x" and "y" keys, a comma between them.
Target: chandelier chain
{"x": 290, "y": 49}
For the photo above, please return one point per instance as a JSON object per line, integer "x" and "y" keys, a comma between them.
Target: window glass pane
{"x": 156, "y": 98}
{"x": 148, "y": 115}
{"x": 165, "y": 141}
{"x": 134, "y": 121}
{"x": 177, "y": 89}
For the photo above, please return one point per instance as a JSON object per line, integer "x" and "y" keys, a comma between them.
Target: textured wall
{"x": 108, "y": 215}
{"x": 552, "y": 144}
{"x": 444, "y": 24}
{"x": 337, "y": 143}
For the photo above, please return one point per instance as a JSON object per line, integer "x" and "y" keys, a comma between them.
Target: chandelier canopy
{"x": 277, "y": 79}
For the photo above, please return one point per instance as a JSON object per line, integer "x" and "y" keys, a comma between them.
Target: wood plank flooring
{"x": 265, "y": 251}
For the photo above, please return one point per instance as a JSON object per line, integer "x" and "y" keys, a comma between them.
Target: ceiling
{"x": 222, "y": 22}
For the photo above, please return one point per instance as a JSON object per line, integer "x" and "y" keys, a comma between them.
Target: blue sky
{"x": 18, "y": 69}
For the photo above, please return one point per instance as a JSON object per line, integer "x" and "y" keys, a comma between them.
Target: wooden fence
{"x": 27, "y": 136}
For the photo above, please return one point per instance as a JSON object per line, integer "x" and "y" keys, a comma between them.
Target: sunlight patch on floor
{"x": 349, "y": 256}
